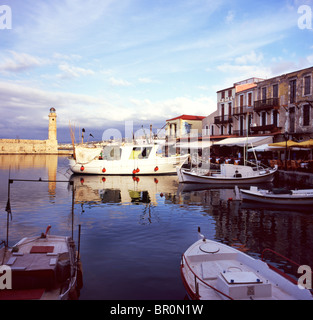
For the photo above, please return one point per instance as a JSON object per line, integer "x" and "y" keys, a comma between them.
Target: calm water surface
{"x": 133, "y": 232}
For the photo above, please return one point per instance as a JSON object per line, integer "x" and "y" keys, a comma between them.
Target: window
{"x": 241, "y": 101}
{"x": 292, "y": 119}
{"x": 275, "y": 91}
{"x": 263, "y": 119}
{"x": 229, "y": 129}
{"x": 250, "y": 99}
{"x": 264, "y": 92}
{"x": 229, "y": 109}
{"x": 306, "y": 115}
{"x": 307, "y": 85}
{"x": 140, "y": 153}
{"x": 293, "y": 90}
{"x": 223, "y": 94}
{"x": 212, "y": 130}
{"x": 230, "y": 93}
{"x": 222, "y": 111}
{"x": 275, "y": 118}
{"x": 111, "y": 153}
{"x": 249, "y": 123}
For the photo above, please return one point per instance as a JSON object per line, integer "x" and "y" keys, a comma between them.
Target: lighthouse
{"x": 52, "y": 125}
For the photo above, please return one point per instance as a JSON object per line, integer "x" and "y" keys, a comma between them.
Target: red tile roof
{"x": 187, "y": 117}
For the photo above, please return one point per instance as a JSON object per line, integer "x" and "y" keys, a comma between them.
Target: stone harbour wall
{"x": 19, "y": 146}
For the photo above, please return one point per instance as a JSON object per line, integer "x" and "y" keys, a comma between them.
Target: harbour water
{"x": 135, "y": 229}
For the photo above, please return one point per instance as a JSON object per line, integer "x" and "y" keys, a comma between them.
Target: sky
{"x": 104, "y": 63}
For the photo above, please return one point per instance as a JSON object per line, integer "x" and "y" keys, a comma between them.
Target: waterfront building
{"x": 183, "y": 126}
{"x": 280, "y": 107}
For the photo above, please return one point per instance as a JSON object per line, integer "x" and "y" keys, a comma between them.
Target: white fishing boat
{"x": 214, "y": 271}
{"x": 44, "y": 267}
{"x": 125, "y": 159}
{"x": 229, "y": 174}
{"x": 278, "y": 196}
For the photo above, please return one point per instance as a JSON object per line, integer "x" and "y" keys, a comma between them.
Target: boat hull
{"x": 214, "y": 271}
{"x": 45, "y": 268}
{"x": 159, "y": 166}
{"x": 190, "y": 177}
{"x": 277, "y": 199}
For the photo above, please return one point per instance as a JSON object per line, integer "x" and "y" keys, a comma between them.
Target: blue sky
{"x": 100, "y": 63}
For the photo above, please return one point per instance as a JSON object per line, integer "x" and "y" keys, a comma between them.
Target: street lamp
{"x": 286, "y": 137}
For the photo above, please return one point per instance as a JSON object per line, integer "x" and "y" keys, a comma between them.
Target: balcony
{"x": 237, "y": 111}
{"x": 269, "y": 127}
{"x": 266, "y": 104}
{"x": 223, "y": 120}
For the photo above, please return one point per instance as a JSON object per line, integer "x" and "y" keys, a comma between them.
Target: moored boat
{"x": 44, "y": 267}
{"x": 125, "y": 159}
{"x": 227, "y": 175}
{"x": 278, "y": 196}
{"x": 214, "y": 271}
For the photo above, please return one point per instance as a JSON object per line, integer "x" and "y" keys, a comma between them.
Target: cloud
{"x": 73, "y": 72}
{"x": 93, "y": 112}
{"x": 19, "y": 62}
{"x": 169, "y": 108}
{"x": 119, "y": 82}
{"x": 230, "y": 17}
{"x": 249, "y": 58}
{"x": 146, "y": 80}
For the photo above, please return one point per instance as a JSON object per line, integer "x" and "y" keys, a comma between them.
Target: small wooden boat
{"x": 228, "y": 174}
{"x": 215, "y": 271}
{"x": 44, "y": 267}
{"x": 278, "y": 196}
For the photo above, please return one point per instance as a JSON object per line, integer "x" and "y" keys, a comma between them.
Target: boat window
{"x": 140, "y": 153}
{"x": 145, "y": 152}
{"x": 111, "y": 153}
{"x": 135, "y": 153}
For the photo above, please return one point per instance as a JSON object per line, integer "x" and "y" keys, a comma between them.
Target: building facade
{"x": 280, "y": 107}
{"x": 184, "y": 126}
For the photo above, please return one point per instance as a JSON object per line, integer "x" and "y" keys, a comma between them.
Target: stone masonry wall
{"x": 19, "y": 146}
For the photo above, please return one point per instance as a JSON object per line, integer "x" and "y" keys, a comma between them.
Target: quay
{"x": 49, "y": 146}
{"x": 295, "y": 177}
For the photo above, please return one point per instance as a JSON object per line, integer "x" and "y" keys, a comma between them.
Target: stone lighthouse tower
{"x": 52, "y": 125}
{"x": 52, "y": 142}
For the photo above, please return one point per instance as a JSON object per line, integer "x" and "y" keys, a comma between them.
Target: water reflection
{"x": 253, "y": 227}
{"x": 123, "y": 189}
{"x": 137, "y": 228}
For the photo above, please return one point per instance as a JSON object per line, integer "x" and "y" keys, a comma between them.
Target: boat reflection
{"x": 124, "y": 190}
{"x": 252, "y": 227}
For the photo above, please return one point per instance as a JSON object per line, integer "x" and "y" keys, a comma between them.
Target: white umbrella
{"x": 264, "y": 148}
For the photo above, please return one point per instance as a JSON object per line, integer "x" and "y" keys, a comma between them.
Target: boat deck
{"x": 39, "y": 266}
{"x": 234, "y": 276}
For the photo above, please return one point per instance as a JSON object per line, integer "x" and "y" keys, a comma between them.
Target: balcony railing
{"x": 223, "y": 119}
{"x": 268, "y": 127}
{"x": 242, "y": 110}
{"x": 266, "y": 104}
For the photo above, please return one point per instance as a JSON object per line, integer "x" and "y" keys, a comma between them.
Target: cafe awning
{"x": 285, "y": 144}
{"x": 245, "y": 141}
{"x": 194, "y": 145}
